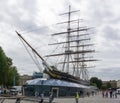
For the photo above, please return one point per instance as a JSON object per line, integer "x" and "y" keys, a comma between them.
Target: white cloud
{"x": 34, "y": 19}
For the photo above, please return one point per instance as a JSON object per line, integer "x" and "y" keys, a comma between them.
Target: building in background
{"x": 37, "y": 75}
{"x": 113, "y": 83}
{"x": 110, "y": 84}
{"x": 24, "y": 78}
{"x": 118, "y": 84}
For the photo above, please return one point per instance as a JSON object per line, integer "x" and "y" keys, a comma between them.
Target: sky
{"x": 36, "y": 20}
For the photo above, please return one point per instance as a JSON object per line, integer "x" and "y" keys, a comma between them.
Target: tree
{"x": 3, "y": 67}
{"x": 7, "y": 70}
{"x": 104, "y": 87}
{"x": 108, "y": 85}
{"x": 13, "y": 76}
{"x": 95, "y": 80}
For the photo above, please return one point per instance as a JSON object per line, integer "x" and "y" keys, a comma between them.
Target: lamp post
{"x": 14, "y": 79}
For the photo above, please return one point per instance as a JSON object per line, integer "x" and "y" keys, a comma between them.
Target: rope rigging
{"x": 34, "y": 60}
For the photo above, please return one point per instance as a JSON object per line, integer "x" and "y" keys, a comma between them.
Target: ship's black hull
{"x": 65, "y": 76}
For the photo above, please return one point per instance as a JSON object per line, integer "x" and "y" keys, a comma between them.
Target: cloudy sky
{"x": 36, "y": 20}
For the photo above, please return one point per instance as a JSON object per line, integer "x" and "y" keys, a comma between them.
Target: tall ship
{"x": 76, "y": 54}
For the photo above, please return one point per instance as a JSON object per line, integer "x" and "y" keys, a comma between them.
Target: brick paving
{"x": 91, "y": 99}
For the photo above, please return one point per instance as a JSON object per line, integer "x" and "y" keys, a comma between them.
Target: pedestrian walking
{"x": 106, "y": 94}
{"x": 88, "y": 94}
{"x": 51, "y": 97}
{"x": 103, "y": 94}
{"x": 93, "y": 93}
{"x": 17, "y": 100}
{"x": 77, "y": 97}
{"x": 0, "y": 92}
{"x": 115, "y": 94}
{"x": 36, "y": 94}
{"x": 111, "y": 93}
{"x": 42, "y": 98}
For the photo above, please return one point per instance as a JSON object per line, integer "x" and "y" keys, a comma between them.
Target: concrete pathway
{"x": 91, "y": 99}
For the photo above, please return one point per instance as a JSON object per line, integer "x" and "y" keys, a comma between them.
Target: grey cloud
{"x": 111, "y": 33}
{"x": 24, "y": 16}
{"x": 15, "y": 14}
{"x": 102, "y": 12}
{"x": 106, "y": 73}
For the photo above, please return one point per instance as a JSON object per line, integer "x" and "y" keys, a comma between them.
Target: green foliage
{"x": 96, "y": 81}
{"x": 3, "y": 67}
{"x": 94, "y": 84}
{"x": 7, "y": 70}
{"x": 13, "y": 76}
{"x": 106, "y": 85}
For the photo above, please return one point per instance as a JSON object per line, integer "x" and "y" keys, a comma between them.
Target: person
{"x": 106, "y": 94}
{"x": 42, "y": 98}
{"x": 111, "y": 93}
{"x": 77, "y": 97}
{"x": 0, "y": 92}
{"x": 18, "y": 100}
{"x": 103, "y": 94}
{"x": 51, "y": 98}
{"x": 81, "y": 94}
{"x": 36, "y": 94}
{"x": 115, "y": 94}
{"x": 93, "y": 93}
{"x": 88, "y": 94}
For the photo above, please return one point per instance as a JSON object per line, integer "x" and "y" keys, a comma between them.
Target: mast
{"x": 68, "y": 36}
{"x": 76, "y": 51}
{"x": 76, "y": 47}
{"x": 67, "y": 57}
{"x": 51, "y": 71}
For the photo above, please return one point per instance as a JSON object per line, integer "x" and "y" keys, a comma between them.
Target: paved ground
{"x": 92, "y": 99}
